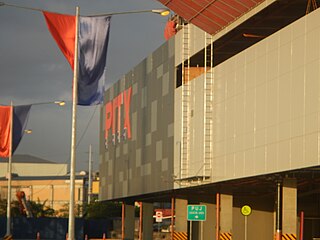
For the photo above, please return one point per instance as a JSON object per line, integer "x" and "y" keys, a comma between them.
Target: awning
{"x": 211, "y": 15}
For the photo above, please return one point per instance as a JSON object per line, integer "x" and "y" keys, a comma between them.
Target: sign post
{"x": 246, "y": 211}
{"x": 159, "y": 216}
{"x": 158, "y": 219}
{"x": 196, "y": 213}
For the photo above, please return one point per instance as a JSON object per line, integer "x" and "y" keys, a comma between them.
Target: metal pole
{"x": 172, "y": 217}
{"x": 9, "y": 175}
{"x": 122, "y": 221}
{"x": 301, "y": 225}
{"x": 218, "y": 216}
{"x": 73, "y": 136}
{"x": 90, "y": 175}
{"x": 140, "y": 222}
{"x": 278, "y": 212}
{"x": 245, "y": 227}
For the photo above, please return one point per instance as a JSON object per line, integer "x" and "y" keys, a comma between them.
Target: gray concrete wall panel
{"x": 143, "y": 163}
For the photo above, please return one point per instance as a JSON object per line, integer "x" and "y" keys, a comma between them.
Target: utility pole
{"x": 90, "y": 175}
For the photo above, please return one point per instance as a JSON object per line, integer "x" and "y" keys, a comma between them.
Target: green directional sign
{"x": 197, "y": 212}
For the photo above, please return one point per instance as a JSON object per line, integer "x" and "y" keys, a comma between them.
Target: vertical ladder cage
{"x": 185, "y": 104}
{"x": 311, "y": 5}
{"x": 208, "y": 107}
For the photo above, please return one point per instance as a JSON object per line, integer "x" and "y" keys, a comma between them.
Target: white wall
{"x": 34, "y": 169}
{"x": 266, "y": 106}
{"x": 267, "y": 102}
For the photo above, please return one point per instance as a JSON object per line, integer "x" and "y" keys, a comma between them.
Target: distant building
{"x": 26, "y": 165}
{"x": 42, "y": 180}
{"x": 52, "y": 189}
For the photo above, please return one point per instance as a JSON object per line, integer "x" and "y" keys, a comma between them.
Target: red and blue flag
{"x": 19, "y": 118}
{"x": 93, "y": 46}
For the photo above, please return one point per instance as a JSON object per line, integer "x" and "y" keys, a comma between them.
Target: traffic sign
{"x": 158, "y": 216}
{"x": 246, "y": 210}
{"x": 197, "y": 212}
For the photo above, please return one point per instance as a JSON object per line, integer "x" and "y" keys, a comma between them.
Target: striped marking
{"x": 288, "y": 236}
{"x": 8, "y": 237}
{"x": 225, "y": 236}
{"x": 180, "y": 236}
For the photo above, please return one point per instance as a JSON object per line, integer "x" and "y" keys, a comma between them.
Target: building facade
{"x": 222, "y": 120}
{"x": 26, "y": 165}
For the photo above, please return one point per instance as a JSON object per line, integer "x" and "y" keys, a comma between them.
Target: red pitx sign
{"x": 113, "y": 117}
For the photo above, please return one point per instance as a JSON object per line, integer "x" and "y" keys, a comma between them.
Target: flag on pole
{"x": 62, "y": 28}
{"x": 93, "y": 45}
{"x": 93, "y": 41}
{"x": 5, "y": 135}
{"x": 20, "y": 118}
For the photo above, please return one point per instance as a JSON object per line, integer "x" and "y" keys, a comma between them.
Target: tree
{"x": 64, "y": 211}
{"x": 96, "y": 210}
{"x": 38, "y": 209}
{"x": 15, "y": 210}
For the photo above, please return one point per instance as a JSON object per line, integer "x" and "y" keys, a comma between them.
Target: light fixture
{"x": 163, "y": 12}
{"x": 28, "y": 131}
{"x": 60, "y": 103}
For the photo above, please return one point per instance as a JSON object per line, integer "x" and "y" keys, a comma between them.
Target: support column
{"x": 207, "y": 230}
{"x": 226, "y": 207}
{"x": 278, "y": 219}
{"x": 181, "y": 222}
{"x": 289, "y": 207}
{"x": 147, "y": 221}
{"x": 128, "y": 221}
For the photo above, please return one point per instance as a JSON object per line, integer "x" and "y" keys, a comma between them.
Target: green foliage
{"x": 98, "y": 210}
{"x": 94, "y": 210}
{"x": 3, "y": 207}
{"x": 15, "y": 210}
{"x": 38, "y": 209}
{"x": 64, "y": 211}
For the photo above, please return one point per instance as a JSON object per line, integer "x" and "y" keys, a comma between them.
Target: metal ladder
{"x": 185, "y": 104}
{"x": 208, "y": 107}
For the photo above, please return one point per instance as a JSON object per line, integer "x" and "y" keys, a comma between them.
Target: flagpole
{"x": 9, "y": 174}
{"x": 71, "y": 228}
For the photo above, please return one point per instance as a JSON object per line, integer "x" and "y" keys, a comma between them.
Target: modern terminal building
{"x": 225, "y": 114}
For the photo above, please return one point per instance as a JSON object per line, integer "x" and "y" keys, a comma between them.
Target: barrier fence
{"x": 55, "y": 228}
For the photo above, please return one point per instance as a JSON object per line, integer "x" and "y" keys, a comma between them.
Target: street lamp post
{"x": 161, "y": 11}
{"x": 71, "y": 223}
{"x": 9, "y": 169}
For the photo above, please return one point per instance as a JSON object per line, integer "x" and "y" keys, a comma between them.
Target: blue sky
{"x": 33, "y": 70}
